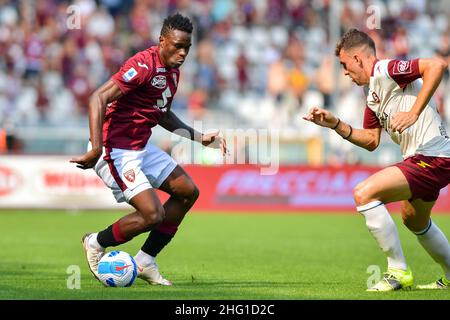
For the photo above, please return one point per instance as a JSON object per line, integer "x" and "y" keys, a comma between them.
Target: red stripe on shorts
{"x": 113, "y": 170}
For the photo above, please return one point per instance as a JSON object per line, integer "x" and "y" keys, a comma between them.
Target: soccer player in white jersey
{"x": 398, "y": 101}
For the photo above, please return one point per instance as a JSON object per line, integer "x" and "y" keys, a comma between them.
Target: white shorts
{"x": 129, "y": 172}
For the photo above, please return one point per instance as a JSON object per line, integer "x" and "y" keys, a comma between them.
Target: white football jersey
{"x": 394, "y": 85}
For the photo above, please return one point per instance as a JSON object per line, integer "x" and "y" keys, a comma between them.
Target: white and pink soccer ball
{"x": 117, "y": 269}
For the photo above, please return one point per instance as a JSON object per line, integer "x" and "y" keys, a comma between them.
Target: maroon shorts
{"x": 426, "y": 176}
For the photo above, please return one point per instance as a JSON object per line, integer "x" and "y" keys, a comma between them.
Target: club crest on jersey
{"x": 402, "y": 67}
{"x": 130, "y": 74}
{"x": 159, "y": 82}
{"x": 129, "y": 175}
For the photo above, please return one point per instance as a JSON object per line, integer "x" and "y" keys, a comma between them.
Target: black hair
{"x": 176, "y": 22}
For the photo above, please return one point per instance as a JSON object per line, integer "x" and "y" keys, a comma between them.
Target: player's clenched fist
{"x": 321, "y": 117}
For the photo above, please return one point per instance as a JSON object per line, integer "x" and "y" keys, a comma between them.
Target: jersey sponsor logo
{"x": 129, "y": 175}
{"x": 442, "y": 131}
{"x": 423, "y": 164}
{"x": 402, "y": 67}
{"x": 375, "y": 97}
{"x": 130, "y": 74}
{"x": 158, "y": 70}
{"x": 383, "y": 117}
{"x": 142, "y": 65}
{"x": 159, "y": 82}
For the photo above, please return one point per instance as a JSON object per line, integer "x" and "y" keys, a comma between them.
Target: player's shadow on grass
{"x": 227, "y": 283}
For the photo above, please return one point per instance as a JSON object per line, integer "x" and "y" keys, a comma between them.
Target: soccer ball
{"x": 117, "y": 269}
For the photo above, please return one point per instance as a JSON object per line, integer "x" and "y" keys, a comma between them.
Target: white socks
{"x": 383, "y": 229}
{"x": 144, "y": 259}
{"x": 436, "y": 244}
{"x": 93, "y": 243}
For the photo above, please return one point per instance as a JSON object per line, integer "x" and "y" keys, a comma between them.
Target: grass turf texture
{"x": 214, "y": 256}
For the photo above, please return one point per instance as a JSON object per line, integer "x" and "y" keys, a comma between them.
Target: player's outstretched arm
{"x": 368, "y": 139}
{"x": 431, "y": 71}
{"x": 321, "y": 117}
{"x": 107, "y": 93}
{"x": 173, "y": 124}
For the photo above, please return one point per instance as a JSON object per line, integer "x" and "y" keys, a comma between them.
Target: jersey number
{"x": 161, "y": 103}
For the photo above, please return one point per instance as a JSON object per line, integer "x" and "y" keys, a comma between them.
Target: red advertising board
{"x": 292, "y": 188}
{"x": 53, "y": 182}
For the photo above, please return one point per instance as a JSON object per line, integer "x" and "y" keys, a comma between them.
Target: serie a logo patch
{"x": 130, "y": 74}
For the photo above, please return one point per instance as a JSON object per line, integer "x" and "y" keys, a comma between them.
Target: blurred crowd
{"x": 266, "y": 62}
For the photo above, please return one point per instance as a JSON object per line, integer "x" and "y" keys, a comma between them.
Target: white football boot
{"x": 151, "y": 275}
{"x": 93, "y": 256}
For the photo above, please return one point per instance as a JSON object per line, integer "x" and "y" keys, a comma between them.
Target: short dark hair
{"x": 176, "y": 22}
{"x": 354, "y": 38}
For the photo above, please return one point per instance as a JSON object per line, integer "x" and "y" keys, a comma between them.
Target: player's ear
{"x": 161, "y": 41}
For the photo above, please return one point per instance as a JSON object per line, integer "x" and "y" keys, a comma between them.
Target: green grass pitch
{"x": 214, "y": 256}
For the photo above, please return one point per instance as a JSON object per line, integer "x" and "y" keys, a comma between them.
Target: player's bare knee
{"x": 190, "y": 194}
{"x": 360, "y": 194}
{"x": 194, "y": 194}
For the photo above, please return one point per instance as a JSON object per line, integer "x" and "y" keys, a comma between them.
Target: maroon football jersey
{"x": 148, "y": 88}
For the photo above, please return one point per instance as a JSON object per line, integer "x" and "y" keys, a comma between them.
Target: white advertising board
{"x": 51, "y": 182}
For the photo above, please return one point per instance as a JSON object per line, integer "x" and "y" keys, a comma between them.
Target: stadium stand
{"x": 254, "y": 64}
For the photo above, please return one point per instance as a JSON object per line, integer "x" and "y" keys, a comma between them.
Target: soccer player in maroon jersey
{"x": 121, "y": 114}
{"x": 398, "y": 101}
